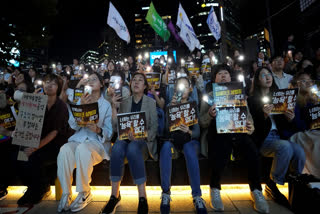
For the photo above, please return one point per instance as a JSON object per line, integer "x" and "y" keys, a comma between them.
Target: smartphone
{"x": 88, "y": 89}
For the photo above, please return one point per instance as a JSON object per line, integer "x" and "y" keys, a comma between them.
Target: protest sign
{"x": 30, "y": 120}
{"x": 154, "y": 80}
{"x": 314, "y": 116}
{"x": 171, "y": 77}
{"x": 184, "y": 113}
{"x": 206, "y": 71}
{"x": 284, "y": 100}
{"x": 85, "y": 114}
{"x": 132, "y": 122}
{"x": 231, "y": 107}
{"x": 7, "y": 119}
{"x": 78, "y": 92}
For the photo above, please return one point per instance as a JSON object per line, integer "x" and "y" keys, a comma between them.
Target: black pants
{"x": 220, "y": 148}
{"x": 37, "y": 173}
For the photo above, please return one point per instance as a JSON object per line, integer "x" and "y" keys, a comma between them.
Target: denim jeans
{"x": 136, "y": 152}
{"x": 284, "y": 153}
{"x": 191, "y": 150}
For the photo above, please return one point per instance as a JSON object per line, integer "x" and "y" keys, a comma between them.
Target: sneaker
{"x": 199, "y": 204}
{"x": 143, "y": 206}
{"x": 26, "y": 198}
{"x": 81, "y": 201}
{"x": 65, "y": 201}
{"x": 273, "y": 192}
{"x": 3, "y": 194}
{"x": 165, "y": 203}
{"x": 260, "y": 203}
{"x": 112, "y": 205}
{"x": 215, "y": 198}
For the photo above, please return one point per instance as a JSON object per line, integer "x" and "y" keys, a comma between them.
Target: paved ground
{"x": 236, "y": 201}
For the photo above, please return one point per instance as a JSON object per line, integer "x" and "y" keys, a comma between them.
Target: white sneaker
{"x": 65, "y": 201}
{"x": 215, "y": 198}
{"x": 82, "y": 200}
{"x": 260, "y": 203}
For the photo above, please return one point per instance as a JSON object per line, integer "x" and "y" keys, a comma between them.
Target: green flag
{"x": 157, "y": 23}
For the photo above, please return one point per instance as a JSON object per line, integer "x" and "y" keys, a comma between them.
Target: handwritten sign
{"x": 132, "y": 122}
{"x": 184, "y": 113}
{"x": 30, "y": 120}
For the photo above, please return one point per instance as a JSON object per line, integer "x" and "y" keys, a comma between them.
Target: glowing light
{"x": 203, "y": 5}
{"x": 181, "y": 87}
{"x": 53, "y": 65}
{"x": 265, "y": 99}
{"x": 39, "y": 82}
{"x": 205, "y": 98}
{"x": 146, "y": 55}
{"x": 148, "y": 68}
{"x": 85, "y": 76}
{"x": 240, "y": 77}
{"x": 169, "y": 60}
{"x": 221, "y": 13}
{"x": 182, "y": 61}
{"x": 241, "y": 57}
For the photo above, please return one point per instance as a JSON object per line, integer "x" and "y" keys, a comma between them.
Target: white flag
{"x": 116, "y": 22}
{"x": 214, "y": 25}
{"x": 187, "y": 33}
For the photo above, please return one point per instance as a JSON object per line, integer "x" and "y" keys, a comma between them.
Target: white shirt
{"x": 105, "y": 123}
{"x": 283, "y": 82}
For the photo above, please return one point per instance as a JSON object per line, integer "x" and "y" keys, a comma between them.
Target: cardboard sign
{"x": 284, "y": 100}
{"x": 7, "y": 119}
{"x": 132, "y": 122}
{"x": 154, "y": 79}
{"x": 30, "y": 120}
{"x": 314, "y": 116}
{"x": 232, "y": 119}
{"x": 85, "y": 114}
{"x": 231, "y": 107}
{"x": 184, "y": 113}
{"x": 171, "y": 78}
{"x": 78, "y": 92}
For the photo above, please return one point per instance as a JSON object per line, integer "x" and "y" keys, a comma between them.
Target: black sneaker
{"x": 112, "y": 205}
{"x": 165, "y": 203}
{"x": 273, "y": 192}
{"x": 3, "y": 194}
{"x": 143, "y": 206}
{"x": 199, "y": 205}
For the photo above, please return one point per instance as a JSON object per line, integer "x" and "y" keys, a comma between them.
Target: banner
{"x": 154, "y": 79}
{"x": 157, "y": 23}
{"x": 184, "y": 113}
{"x": 231, "y": 107}
{"x": 314, "y": 116}
{"x": 116, "y": 22}
{"x": 187, "y": 33}
{"x": 85, "y": 114}
{"x": 174, "y": 31}
{"x": 213, "y": 24}
{"x": 283, "y": 100}
{"x": 132, "y": 122}
{"x": 30, "y": 120}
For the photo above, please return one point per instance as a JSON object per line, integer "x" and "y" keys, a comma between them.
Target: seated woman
{"x": 220, "y": 147}
{"x": 84, "y": 149}
{"x": 270, "y": 135}
{"x": 186, "y": 140}
{"x": 308, "y": 139}
{"x": 55, "y": 132}
{"x": 135, "y": 150}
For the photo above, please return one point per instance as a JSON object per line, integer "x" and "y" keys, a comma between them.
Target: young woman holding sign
{"x": 271, "y": 134}
{"x": 220, "y": 147}
{"x": 184, "y": 140}
{"x": 86, "y": 148}
{"x": 135, "y": 150}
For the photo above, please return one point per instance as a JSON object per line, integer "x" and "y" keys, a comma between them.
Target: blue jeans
{"x": 136, "y": 152}
{"x": 191, "y": 150}
{"x": 284, "y": 153}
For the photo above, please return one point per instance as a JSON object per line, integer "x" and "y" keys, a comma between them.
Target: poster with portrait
{"x": 85, "y": 114}
{"x": 183, "y": 113}
{"x": 132, "y": 122}
{"x": 284, "y": 100}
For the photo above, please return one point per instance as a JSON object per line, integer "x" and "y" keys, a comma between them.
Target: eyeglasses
{"x": 306, "y": 81}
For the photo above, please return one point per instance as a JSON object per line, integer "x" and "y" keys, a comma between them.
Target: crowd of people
{"x": 65, "y": 145}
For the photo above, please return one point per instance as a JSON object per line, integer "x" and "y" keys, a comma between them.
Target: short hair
{"x": 120, "y": 74}
{"x": 58, "y": 80}
{"x": 217, "y": 68}
{"x": 145, "y": 82}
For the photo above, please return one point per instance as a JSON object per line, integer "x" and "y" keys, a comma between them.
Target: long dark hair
{"x": 256, "y": 82}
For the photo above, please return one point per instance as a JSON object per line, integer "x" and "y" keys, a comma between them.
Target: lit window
{"x": 138, "y": 20}
{"x": 139, "y": 41}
